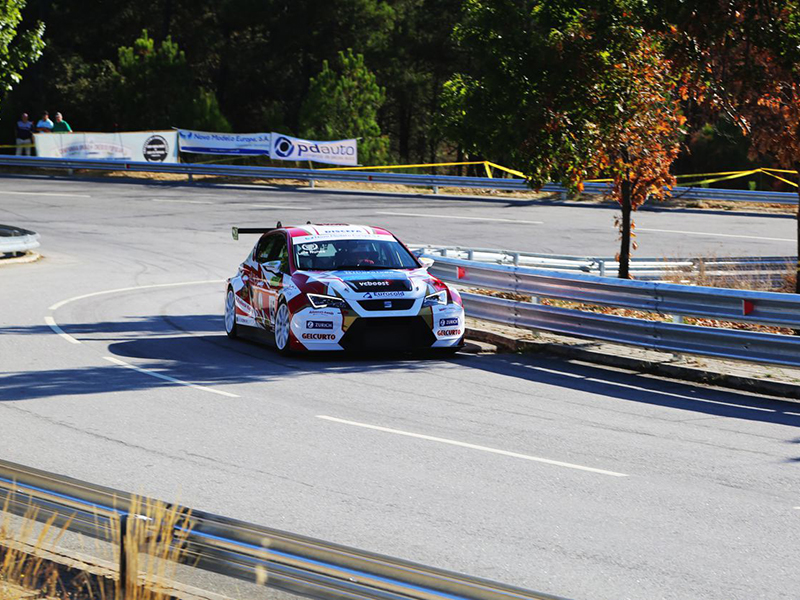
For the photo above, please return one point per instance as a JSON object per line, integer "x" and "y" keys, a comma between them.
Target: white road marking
{"x": 727, "y": 235}
{"x": 122, "y": 363}
{"x": 475, "y": 447}
{"x": 54, "y": 326}
{"x": 45, "y": 194}
{"x": 277, "y": 206}
{"x": 405, "y": 214}
{"x": 227, "y": 205}
{"x": 58, "y": 305}
{"x": 181, "y": 201}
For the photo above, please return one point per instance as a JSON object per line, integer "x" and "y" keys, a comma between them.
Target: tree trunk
{"x": 625, "y": 249}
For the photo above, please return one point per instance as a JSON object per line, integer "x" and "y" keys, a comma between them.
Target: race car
{"x": 341, "y": 287}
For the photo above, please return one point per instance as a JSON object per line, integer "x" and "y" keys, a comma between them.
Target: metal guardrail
{"x": 742, "y": 306}
{"x": 640, "y": 268}
{"x": 14, "y": 240}
{"x": 293, "y": 563}
{"x": 701, "y": 193}
{"x": 432, "y": 181}
{"x": 311, "y": 175}
{"x": 658, "y": 335}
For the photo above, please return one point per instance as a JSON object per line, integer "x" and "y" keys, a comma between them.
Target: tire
{"x": 231, "y": 328}
{"x": 282, "y": 328}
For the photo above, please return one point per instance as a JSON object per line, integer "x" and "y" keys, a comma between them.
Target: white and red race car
{"x": 341, "y": 287}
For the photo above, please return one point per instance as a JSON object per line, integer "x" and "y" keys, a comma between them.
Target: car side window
{"x": 280, "y": 251}
{"x": 264, "y": 248}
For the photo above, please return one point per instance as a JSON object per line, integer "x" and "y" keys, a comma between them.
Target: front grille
{"x": 388, "y": 333}
{"x": 393, "y": 304}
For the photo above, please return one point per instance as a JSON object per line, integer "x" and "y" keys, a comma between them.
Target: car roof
{"x": 338, "y": 231}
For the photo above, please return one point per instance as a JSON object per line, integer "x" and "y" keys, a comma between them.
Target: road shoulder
{"x": 769, "y": 380}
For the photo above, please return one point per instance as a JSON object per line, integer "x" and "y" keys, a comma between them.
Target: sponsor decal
{"x": 283, "y": 147}
{"x": 387, "y": 295}
{"x": 448, "y": 322}
{"x": 318, "y": 336}
{"x": 339, "y": 152}
{"x": 387, "y": 285}
{"x": 160, "y": 146}
{"x": 206, "y": 142}
{"x": 448, "y": 332}
{"x": 319, "y": 324}
{"x": 155, "y": 149}
{"x": 321, "y": 313}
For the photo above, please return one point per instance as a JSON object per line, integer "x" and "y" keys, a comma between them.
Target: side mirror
{"x": 426, "y": 262}
{"x": 273, "y": 265}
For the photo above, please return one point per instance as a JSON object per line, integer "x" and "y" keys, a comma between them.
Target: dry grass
{"x": 155, "y": 542}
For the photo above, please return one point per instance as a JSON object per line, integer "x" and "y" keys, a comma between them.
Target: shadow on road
{"x": 641, "y": 389}
{"x": 193, "y": 348}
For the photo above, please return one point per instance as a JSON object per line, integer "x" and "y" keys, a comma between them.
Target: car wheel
{"x": 283, "y": 320}
{"x": 230, "y": 314}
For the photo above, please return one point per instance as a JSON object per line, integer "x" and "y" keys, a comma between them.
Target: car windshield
{"x": 364, "y": 254}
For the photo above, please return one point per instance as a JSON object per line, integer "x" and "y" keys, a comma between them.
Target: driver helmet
{"x": 362, "y": 252}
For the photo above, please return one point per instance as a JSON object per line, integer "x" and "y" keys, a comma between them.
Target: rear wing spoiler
{"x": 235, "y": 231}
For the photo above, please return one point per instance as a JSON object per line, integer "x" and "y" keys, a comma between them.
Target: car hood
{"x": 397, "y": 283}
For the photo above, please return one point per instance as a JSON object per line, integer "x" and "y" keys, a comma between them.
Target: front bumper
{"x": 333, "y": 329}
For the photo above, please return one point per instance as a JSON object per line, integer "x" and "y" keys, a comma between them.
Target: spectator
{"x": 45, "y": 125}
{"x": 24, "y": 135}
{"x": 61, "y": 126}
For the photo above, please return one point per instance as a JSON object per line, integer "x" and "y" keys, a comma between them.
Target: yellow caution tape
{"x": 736, "y": 175}
{"x": 792, "y": 183}
{"x": 765, "y": 169}
{"x": 507, "y": 170}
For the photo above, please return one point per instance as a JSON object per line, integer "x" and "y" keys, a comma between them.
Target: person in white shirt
{"x": 45, "y": 125}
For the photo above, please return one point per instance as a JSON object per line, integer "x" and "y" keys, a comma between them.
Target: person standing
{"x": 45, "y": 125}
{"x": 61, "y": 126}
{"x": 24, "y": 135}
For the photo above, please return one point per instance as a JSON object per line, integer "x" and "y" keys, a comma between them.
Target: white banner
{"x": 139, "y": 146}
{"x": 205, "y": 142}
{"x": 341, "y": 152}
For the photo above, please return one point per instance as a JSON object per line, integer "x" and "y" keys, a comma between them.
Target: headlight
{"x": 434, "y": 299}
{"x": 322, "y": 301}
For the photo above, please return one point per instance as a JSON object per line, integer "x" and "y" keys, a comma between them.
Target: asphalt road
{"x": 567, "y": 478}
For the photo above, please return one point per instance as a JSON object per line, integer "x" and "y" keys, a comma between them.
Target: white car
{"x": 341, "y": 287}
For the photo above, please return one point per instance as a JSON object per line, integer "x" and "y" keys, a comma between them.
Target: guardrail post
{"x": 123, "y": 555}
{"x": 436, "y": 189}
{"x": 470, "y": 254}
{"x": 515, "y": 256}
{"x": 677, "y": 319}
{"x": 312, "y": 183}
{"x": 602, "y": 268}
{"x": 191, "y": 178}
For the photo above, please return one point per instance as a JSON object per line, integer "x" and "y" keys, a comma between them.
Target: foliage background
{"x": 248, "y": 65}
